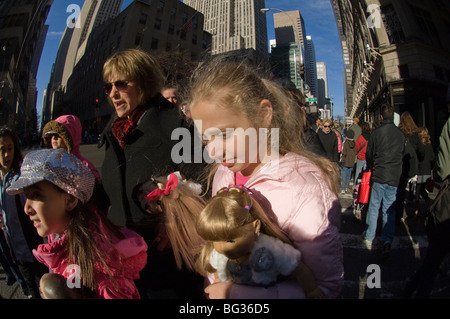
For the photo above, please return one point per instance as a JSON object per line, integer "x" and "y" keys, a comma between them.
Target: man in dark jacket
{"x": 384, "y": 156}
{"x": 329, "y": 141}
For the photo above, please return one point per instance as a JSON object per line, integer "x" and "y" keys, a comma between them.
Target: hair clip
{"x": 247, "y": 207}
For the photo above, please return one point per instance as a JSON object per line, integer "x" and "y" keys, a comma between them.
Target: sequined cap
{"x": 58, "y": 167}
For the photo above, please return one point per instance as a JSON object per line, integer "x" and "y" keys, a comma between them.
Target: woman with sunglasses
{"x": 329, "y": 141}
{"x": 138, "y": 146}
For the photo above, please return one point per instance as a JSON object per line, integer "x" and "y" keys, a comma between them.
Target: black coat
{"x": 330, "y": 145}
{"x": 146, "y": 154}
{"x": 385, "y": 153}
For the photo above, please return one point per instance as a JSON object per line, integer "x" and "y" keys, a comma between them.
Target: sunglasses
{"x": 326, "y": 126}
{"x": 120, "y": 86}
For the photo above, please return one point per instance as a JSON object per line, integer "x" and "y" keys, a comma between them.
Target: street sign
{"x": 312, "y": 99}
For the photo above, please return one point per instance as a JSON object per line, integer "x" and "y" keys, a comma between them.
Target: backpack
{"x": 438, "y": 214}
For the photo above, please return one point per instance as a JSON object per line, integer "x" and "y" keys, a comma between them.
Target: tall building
{"x": 160, "y": 27}
{"x": 398, "y": 52}
{"x": 311, "y": 65}
{"x": 21, "y": 27}
{"x": 72, "y": 48}
{"x": 286, "y": 61}
{"x": 322, "y": 84}
{"x": 93, "y": 14}
{"x": 289, "y": 27}
{"x": 235, "y": 24}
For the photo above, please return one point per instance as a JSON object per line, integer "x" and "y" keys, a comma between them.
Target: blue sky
{"x": 317, "y": 14}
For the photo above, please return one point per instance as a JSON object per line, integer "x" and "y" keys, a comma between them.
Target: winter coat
{"x": 414, "y": 149}
{"x": 22, "y": 233}
{"x": 357, "y": 129}
{"x": 330, "y": 145}
{"x": 68, "y": 127}
{"x": 146, "y": 154}
{"x": 361, "y": 145}
{"x": 426, "y": 161}
{"x": 292, "y": 189}
{"x": 125, "y": 258}
{"x": 442, "y": 167}
{"x": 312, "y": 142}
{"x": 385, "y": 152}
{"x": 349, "y": 153}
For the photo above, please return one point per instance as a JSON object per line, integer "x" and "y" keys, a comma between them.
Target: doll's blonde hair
{"x": 223, "y": 217}
{"x": 181, "y": 208}
{"x": 241, "y": 89}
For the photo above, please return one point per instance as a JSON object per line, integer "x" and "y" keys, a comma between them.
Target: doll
{"x": 177, "y": 203}
{"x": 246, "y": 246}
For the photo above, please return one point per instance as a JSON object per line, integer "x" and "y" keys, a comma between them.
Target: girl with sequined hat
{"x": 245, "y": 246}
{"x": 97, "y": 259}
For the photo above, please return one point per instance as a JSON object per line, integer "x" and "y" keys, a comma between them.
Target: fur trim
{"x": 61, "y": 130}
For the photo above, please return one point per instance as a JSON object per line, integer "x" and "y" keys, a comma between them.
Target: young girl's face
{"x": 58, "y": 142}
{"x": 6, "y": 154}
{"x": 225, "y": 134}
{"x": 47, "y": 207}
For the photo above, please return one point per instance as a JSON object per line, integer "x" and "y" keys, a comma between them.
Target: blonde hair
{"x": 181, "y": 208}
{"x": 223, "y": 217}
{"x": 424, "y": 135}
{"x": 241, "y": 89}
{"x": 138, "y": 66}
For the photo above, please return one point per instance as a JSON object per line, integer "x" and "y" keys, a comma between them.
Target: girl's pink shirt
{"x": 125, "y": 258}
{"x": 293, "y": 190}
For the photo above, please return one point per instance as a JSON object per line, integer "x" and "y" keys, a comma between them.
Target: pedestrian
{"x": 170, "y": 92}
{"x": 311, "y": 139}
{"x": 438, "y": 225}
{"x": 296, "y": 187}
{"x": 329, "y": 141}
{"x": 58, "y": 187}
{"x": 356, "y": 128}
{"x": 19, "y": 229}
{"x": 384, "y": 156}
{"x": 414, "y": 149}
{"x": 348, "y": 159}
{"x": 240, "y": 239}
{"x": 425, "y": 168}
{"x": 66, "y": 132}
{"x": 138, "y": 146}
{"x": 361, "y": 148}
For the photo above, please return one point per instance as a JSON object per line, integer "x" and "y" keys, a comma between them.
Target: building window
{"x": 194, "y": 39}
{"x": 392, "y": 23}
{"x": 143, "y": 19}
{"x": 171, "y": 29}
{"x": 173, "y": 12}
{"x": 138, "y": 39}
{"x": 439, "y": 73}
{"x": 158, "y": 24}
{"x": 161, "y": 6}
{"x": 154, "y": 45}
{"x": 427, "y": 25}
{"x": 404, "y": 71}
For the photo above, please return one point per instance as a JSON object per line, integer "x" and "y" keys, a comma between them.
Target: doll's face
{"x": 234, "y": 248}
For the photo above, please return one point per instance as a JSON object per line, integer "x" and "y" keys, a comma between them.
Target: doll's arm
{"x": 306, "y": 279}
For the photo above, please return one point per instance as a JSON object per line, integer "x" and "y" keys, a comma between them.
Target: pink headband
{"x": 172, "y": 183}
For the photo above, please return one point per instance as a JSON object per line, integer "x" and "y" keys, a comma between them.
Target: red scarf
{"x": 123, "y": 126}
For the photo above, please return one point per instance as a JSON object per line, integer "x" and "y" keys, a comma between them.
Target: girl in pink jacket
{"x": 253, "y": 133}
{"x": 65, "y": 132}
{"x": 94, "y": 258}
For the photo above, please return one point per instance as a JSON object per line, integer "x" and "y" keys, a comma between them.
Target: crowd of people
{"x": 242, "y": 223}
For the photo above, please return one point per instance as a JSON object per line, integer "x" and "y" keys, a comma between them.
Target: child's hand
{"x": 316, "y": 293}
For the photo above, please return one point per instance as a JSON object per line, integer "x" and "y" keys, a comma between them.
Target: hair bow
{"x": 172, "y": 183}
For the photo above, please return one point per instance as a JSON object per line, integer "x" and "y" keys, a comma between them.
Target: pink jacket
{"x": 293, "y": 189}
{"x": 127, "y": 257}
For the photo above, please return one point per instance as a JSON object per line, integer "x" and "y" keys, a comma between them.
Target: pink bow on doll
{"x": 172, "y": 183}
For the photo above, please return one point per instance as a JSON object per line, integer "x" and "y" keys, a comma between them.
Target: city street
{"x": 366, "y": 275}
